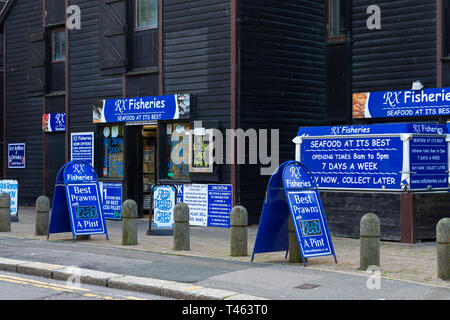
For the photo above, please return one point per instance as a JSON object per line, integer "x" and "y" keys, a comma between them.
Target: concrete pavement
{"x": 412, "y": 263}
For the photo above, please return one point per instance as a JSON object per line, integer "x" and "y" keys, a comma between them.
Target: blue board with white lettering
{"x": 385, "y": 157}
{"x": 292, "y": 192}
{"x": 77, "y": 202}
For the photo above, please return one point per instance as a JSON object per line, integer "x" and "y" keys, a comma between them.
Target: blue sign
{"x": 16, "y": 155}
{"x": 112, "y": 200}
{"x": 355, "y": 163}
{"x": 292, "y": 192}
{"x": 163, "y": 206}
{"x": 54, "y": 122}
{"x": 429, "y": 162}
{"x": 82, "y": 147}
{"x": 168, "y": 107}
{"x": 77, "y": 204}
{"x": 408, "y": 103}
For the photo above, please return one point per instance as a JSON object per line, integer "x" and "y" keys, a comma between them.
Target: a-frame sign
{"x": 292, "y": 191}
{"x": 77, "y": 203}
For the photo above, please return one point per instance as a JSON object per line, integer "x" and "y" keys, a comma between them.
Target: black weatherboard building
{"x": 244, "y": 64}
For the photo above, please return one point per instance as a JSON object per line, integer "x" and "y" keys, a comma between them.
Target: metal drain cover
{"x": 307, "y": 286}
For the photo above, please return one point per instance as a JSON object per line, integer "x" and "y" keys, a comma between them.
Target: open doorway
{"x": 149, "y": 163}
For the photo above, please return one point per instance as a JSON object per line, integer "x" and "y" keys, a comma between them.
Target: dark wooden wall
{"x": 282, "y": 78}
{"x": 197, "y": 58}
{"x": 24, "y": 109}
{"x": 402, "y": 51}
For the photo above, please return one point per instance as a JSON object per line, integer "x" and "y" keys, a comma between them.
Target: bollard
{"x": 443, "y": 248}
{"x": 181, "y": 228}
{"x": 42, "y": 216}
{"x": 5, "y": 212}
{"x": 238, "y": 232}
{"x": 370, "y": 241}
{"x": 129, "y": 223}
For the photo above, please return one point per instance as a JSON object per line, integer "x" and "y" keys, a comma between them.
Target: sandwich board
{"x": 77, "y": 204}
{"x": 292, "y": 191}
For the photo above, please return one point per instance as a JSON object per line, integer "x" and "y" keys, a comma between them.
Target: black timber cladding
{"x": 402, "y": 51}
{"x": 282, "y": 78}
{"x": 24, "y": 110}
{"x": 197, "y": 58}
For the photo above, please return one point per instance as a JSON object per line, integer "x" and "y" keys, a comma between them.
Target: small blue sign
{"x": 292, "y": 192}
{"x": 82, "y": 147}
{"x": 112, "y": 200}
{"x": 408, "y": 103}
{"x": 163, "y": 206}
{"x": 54, "y": 122}
{"x": 77, "y": 204}
{"x": 16, "y": 155}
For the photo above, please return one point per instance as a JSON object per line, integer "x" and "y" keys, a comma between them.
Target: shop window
{"x": 59, "y": 45}
{"x": 178, "y": 151}
{"x": 336, "y": 20}
{"x": 113, "y": 152}
{"x": 146, "y": 14}
{"x": 201, "y": 158}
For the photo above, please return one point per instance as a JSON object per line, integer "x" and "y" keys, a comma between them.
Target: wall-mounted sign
{"x": 409, "y": 103}
{"x": 11, "y": 187}
{"x": 163, "y": 206}
{"x": 82, "y": 147}
{"x": 77, "y": 203}
{"x": 292, "y": 192}
{"x": 54, "y": 122}
{"x": 169, "y": 107}
{"x": 391, "y": 157}
{"x": 112, "y": 200}
{"x": 16, "y": 155}
{"x": 209, "y": 204}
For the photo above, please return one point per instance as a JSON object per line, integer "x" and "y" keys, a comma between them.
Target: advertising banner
{"x": 11, "y": 187}
{"x": 163, "y": 206}
{"x": 16, "y": 155}
{"x": 408, "y": 103}
{"x": 168, "y": 107}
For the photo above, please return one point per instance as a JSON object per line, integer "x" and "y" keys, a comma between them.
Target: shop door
{"x": 149, "y": 164}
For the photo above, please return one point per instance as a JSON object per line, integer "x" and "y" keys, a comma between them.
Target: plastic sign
{"x": 169, "y": 107}
{"x": 408, "y": 103}
{"x": 16, "y": 156}
{"x": 77, "y": 204}
{"x": 11, "y": 187}
{"x": 292, "y": 193}
{"x": 164, "y": 198}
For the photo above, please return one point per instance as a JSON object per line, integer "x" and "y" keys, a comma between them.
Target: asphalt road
{"x": 270, "y": 281}
{"x": 24, "y": 287}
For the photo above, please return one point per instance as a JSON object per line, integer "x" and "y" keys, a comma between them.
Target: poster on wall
{"x": 16, "y": 155}
{"x": 11, "y": 187}
{"x": 54, "y": 122}
{"x": 82, "y": 147}
{"x": 201, "y": 152}
{"x": 210, "y": 205}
